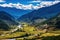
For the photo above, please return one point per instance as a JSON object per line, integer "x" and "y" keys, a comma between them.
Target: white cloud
{"x": 35, "y": 1}
{"x": 45, "y": 3}
{"x": 19, "y": 6}
{"x": 48, "y": 3}
{"x": 57, "y": 0}
{"x": 30, "y": 6}
{"x": 2, "y": 1}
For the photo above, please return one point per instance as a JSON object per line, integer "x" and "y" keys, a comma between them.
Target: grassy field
{"x": 30, "y": 33}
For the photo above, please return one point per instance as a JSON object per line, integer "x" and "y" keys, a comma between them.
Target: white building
{"x": 19, "y": 26}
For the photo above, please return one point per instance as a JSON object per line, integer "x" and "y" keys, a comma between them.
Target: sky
{"x": 27, "y": 4}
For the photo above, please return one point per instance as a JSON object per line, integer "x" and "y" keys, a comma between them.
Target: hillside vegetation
{"x": 28, "y": 32}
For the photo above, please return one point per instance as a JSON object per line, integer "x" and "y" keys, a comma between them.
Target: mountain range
{"x": 42, "y": 13}
{"x": 14, "y": 12}
{"x": 52, "y": 22}
{"x": 7, "y": 18}
{"x": 55, "y": 21}
{"x": 3, "y": 25}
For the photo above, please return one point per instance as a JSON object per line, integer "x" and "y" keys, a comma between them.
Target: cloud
{"x": 46, "y": 3}
{"x": 49, "y": 3}
{"x": 57, "y": 0}
{"x": 29, "y": 6}
{"x": 35, "y": 1}
{"x": 20, "y": 6}
{"x": 2, "y": 1}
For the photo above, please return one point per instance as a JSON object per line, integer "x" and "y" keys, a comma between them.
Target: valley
{"x": 30, "y": 33}
{"x": 41, "y": 24}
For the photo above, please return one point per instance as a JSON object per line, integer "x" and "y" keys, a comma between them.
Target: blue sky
{"x": 26, "y": 5}
{"x": 14, "y": 1}
{"x": 23, "y": 1}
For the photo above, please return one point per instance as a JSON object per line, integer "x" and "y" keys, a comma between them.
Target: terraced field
{"x": 30, "y": 33}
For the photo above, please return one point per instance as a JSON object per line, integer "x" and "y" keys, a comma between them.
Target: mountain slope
{"x": 7, "y": 18}
{"x": 55, "y": 21}
{"x": 46, "y": 12}
{"x": 3, "y": 25}
{"x": 52, "y": 22}
{"x": 14, "y": 12}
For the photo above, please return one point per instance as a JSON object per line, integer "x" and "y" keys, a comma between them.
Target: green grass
{"x": 13, "y": 35}
{"x": 51, "y": 38}
{"x": 31, "y": 33}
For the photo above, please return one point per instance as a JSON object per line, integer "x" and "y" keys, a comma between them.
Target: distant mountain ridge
{"x": 7, "y": 18}
{"x": 14, "y": 12}
{"x": 42, "y": 13}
